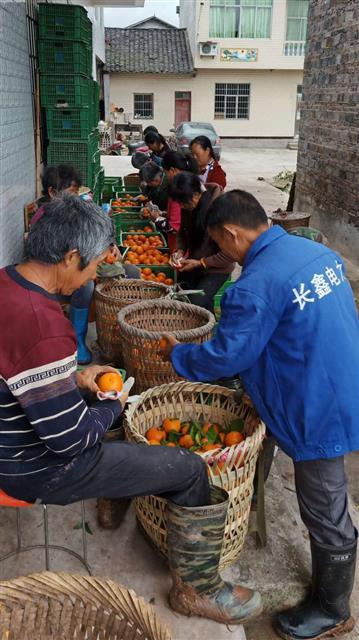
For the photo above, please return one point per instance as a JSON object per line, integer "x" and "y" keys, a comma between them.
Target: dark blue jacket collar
{"x": 266, "y": 238}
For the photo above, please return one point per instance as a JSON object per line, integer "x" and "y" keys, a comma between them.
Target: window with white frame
{"x": 231, "y": 101}
{"x": 297, "y": 18}
{"x": 240, "y": 18}
{"x": 143, "y": 106}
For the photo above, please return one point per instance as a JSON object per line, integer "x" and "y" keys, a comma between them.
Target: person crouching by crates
{"x": 56, "y": 181}
{"x": 290, "y": 328}
{"x": 51, "y": 441}
{"x": 200, "y": 262}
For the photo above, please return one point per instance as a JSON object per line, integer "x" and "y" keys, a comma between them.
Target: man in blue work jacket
{"x": 289, "y": 327}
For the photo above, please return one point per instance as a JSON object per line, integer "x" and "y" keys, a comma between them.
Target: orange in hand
{"x": 110, "y": 382}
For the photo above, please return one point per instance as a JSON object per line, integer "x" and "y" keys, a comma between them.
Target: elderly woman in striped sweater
{"x": 51, "y": 439}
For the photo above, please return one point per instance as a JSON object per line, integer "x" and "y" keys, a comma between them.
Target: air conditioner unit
{"x": 208, "y": 49}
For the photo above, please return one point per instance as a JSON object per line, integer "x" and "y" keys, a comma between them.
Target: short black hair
{"x": 153, "y": 137}
{"x": 237, "y": 207}
{"x": 150, "y": 127}
{"x": 181, "y": 161}
{"x": 150, "y": 171}
{"x": 138, "y": 159}
{"x": 59, "y": 178}
{"x": 205, "y": 143}
{"x": 183, "y": 187}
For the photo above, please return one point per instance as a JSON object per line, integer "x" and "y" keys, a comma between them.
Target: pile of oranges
{"x": 150, "y": 276}
{"x": 144, "y": 250}
{"x": 195, "y": 436}
{"x": 124, "y": 202}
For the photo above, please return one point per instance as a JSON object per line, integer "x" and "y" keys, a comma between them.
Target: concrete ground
{"x": 281, "y": 570}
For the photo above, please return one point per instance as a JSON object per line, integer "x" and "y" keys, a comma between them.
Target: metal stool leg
{"x": 46, "y": 537}
{"x": 18, "y": 530}
{"x": 47, "y": 546}
{"x": 84, "y": 539}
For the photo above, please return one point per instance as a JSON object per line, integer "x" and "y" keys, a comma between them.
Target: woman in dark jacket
{"x": 158, "y": 146}
{"x": 154, "y": 184}
{"x": 200, "y": 262}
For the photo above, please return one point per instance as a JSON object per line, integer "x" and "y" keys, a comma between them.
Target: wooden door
{"x": 182, "y": 107}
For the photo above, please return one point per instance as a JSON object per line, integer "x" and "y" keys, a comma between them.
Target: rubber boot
{"x": 326, "y": 613}
{"x": 195, "y": 537}
{"x": 79, "y": 319}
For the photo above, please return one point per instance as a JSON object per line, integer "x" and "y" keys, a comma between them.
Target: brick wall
{"x": 17, "y": 161}
{"x": 328, "y": 160}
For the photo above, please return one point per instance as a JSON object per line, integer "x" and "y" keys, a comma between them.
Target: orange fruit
{"x": 168, "y": 281}
{"x": 146, "y": 271}
{"x": 185, "y": 428}
{"x": 211, "y": 447}
{"x": 207, "y": 426}
{"x": 186, "y": 441}
{"x": 171, "y": 424}
{"x": 170, "y": 444}
{"x": 110, "y": 259}
{"x": 156, "y": 433}
{"x": 154, "y": 442}
{"x": 233, "y": 437}
{"x": 163, "y": 344}
{"x": 110, "y": 382}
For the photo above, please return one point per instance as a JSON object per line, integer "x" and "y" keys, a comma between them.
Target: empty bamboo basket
{"x": 111, "y": 296}
{"x": 61, "y": 606}
{"x": 231, "y": 468}
{"x": 141, "y": 327}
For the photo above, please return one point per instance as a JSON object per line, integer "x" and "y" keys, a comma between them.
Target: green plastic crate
{"x": 95, "y": 103}
{"x": 219, "y": 295}
{"x": 141, "y": 224}
{"x": 73, "y": 123}
{"x": 132, "y": 191}
{"x": 69, "y": 91}
{"x": 83, "y": 154}
{"x": 64, "y": 57}
{"x": 65, "y": 22}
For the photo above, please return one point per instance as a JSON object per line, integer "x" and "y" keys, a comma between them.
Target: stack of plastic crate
{"x": 69, "y": 96}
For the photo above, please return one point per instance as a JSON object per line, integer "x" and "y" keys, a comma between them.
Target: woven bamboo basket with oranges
{"x": 141, "y": 327}
{"x": 230, "y": 467}
{"x": 64, "y": 607}
{"x": 111, "y": 296}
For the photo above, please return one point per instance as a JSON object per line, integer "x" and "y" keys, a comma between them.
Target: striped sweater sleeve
{"x": 51, "y": 402}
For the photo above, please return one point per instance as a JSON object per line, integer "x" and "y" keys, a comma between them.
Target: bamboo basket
{"x": 61, "y": 606}
{"x": 231, "y": 468}
{"x": 111, "y": 296}
{"x": 141, "y": 327}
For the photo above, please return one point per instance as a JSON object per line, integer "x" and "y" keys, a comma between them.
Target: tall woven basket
{"x": 60, "y": 606}
{"x": 141, "y": 327}
{"x": 231, "y": 468}
{"x": 111, "y": 296}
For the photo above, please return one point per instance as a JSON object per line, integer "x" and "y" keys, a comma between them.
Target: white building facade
{"x": 248, "y": 58}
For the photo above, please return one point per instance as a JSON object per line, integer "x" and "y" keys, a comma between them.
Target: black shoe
{"x": 326, "y": 614}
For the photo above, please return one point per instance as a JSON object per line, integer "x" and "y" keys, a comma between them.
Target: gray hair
{"x": 69, "y": 223}
{"x": 150, "y": 171}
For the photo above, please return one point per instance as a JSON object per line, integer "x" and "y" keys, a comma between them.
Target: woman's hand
{"x": 86, "y": 379}
{"x": 167, "y": 343}
{"x": 189, "y": 265}
{"x": 176, "y": 259}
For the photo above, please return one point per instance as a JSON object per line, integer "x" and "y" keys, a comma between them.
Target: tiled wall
{"x": 17, "y": 160}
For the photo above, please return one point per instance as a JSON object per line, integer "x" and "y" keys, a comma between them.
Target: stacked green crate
{"x": 69, "y": 96}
